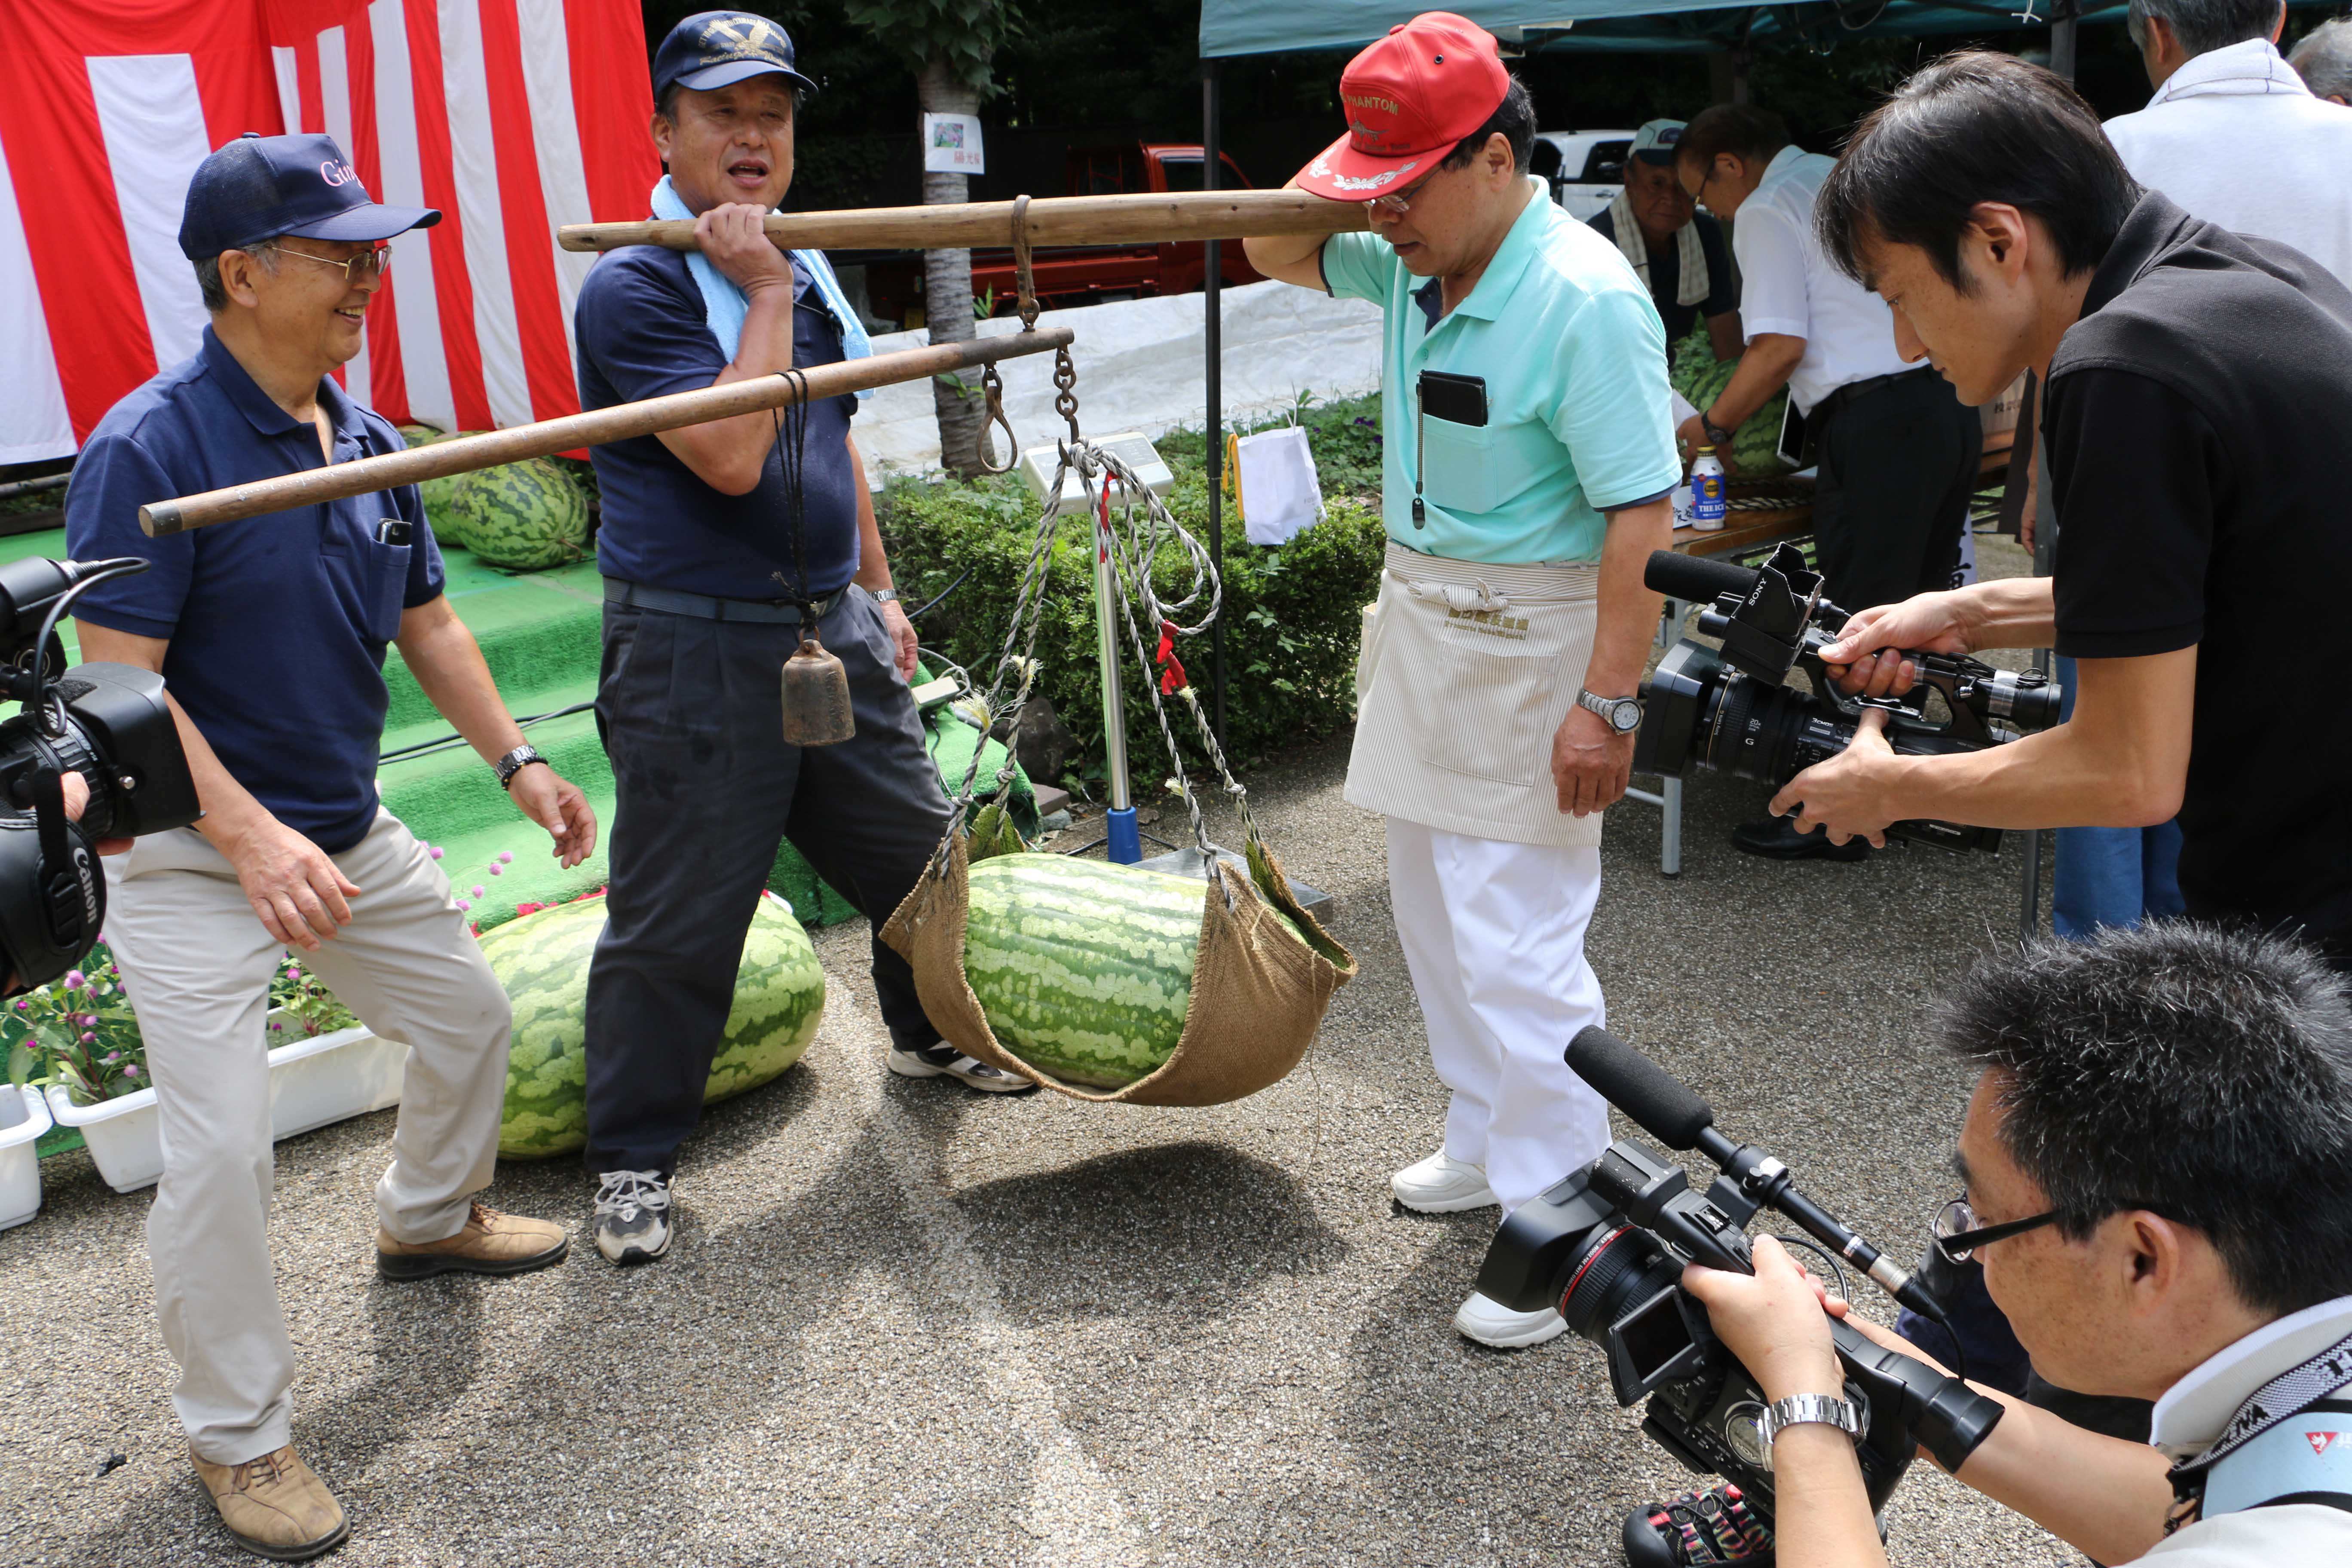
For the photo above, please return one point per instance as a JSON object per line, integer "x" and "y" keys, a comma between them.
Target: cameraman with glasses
{"x": 2157, "y": 1171}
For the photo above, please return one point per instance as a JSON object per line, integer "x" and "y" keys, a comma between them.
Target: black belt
{"x": 704, "y": 607}
{"x": 1853, "y": 390}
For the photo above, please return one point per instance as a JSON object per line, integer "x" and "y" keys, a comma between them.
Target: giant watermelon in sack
{"x": 1700, "y": 377}
{"x": 542, "y": 961}
{"x": 524, "y": 515}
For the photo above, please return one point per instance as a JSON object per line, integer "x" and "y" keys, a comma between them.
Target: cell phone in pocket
{"x": 1796, "y": 448}
{"x": 1458, "y": 399}
{"x": 392, "y": 530}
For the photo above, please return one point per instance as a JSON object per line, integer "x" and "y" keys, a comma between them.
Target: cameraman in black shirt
{"x": 2198, "y": 413}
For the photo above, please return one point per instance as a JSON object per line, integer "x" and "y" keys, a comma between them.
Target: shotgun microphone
{"x": 1669, "y": 1111}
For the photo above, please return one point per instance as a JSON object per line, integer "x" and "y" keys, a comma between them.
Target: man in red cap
{"x": 1528, "y": 452}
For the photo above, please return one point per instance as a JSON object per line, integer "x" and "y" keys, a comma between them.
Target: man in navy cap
{"x": 713, "y": 547}
{"x": 271, "y": 633}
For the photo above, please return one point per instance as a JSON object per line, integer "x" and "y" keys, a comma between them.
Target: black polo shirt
{"x": 1666, "y": 274}
{"x": 277, "y": 623}
{"x": 2198, "y": 417}
{"x": 642, "y": 329}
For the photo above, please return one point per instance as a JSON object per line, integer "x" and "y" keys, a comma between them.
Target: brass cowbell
{"x": 816, "y": 697}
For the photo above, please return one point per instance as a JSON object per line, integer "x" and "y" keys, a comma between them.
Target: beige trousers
{"x": 197, "y": 964}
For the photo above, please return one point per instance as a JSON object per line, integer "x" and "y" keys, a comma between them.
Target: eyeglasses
{"x": 1957, "y": 1232}
{"x": 1401, "y": 202}
{"x": 367, "y": 264}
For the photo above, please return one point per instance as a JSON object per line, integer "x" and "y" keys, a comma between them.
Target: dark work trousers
{"x": 691, "y": 715}
{"x": 1897, "y": 463}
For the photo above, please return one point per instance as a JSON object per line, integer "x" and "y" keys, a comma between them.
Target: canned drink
{"x": 1707, "y": 491}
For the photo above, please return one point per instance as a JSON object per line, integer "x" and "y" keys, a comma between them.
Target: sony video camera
{"x": 1607, "y": 1247}
{"x": 1729, "y": 710}
{"x": 108, "y": 722}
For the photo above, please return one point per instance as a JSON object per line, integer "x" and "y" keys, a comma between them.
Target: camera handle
{"x": 1948, "y": 1418}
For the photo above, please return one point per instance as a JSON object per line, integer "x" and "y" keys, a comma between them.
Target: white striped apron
{"x": 1467, "y": 671}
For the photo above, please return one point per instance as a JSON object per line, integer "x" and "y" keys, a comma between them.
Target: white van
{"x": 1585, "y": 169}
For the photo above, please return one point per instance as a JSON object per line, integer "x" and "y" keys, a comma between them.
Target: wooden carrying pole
{"x": 619, "y": 423}
{"x": 1151, "y": 218}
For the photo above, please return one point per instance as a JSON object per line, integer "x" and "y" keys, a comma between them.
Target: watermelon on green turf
{"x": 525, "y": 516}
{"x": 542, "y": 961}
{"x": 438, "y": 493}
{"x": 1700, "y": 377}
{"x": 1084, "y": 968}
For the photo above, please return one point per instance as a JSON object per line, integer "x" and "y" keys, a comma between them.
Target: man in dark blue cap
{"x": 713, "y": 547}
{"x": 271, "y": 633}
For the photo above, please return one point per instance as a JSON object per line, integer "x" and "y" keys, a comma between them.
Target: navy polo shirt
{"x": 277, "y": 623}
{"x": 642, "y": 333}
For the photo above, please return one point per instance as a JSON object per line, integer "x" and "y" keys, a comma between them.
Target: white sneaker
{"x": 1442, "y": 1185}
{"x": 1491, "y": 1323}
{"x": 944, "y": 1060}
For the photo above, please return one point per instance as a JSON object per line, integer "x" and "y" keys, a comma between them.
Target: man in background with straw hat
{"x": 1528, "y": 453}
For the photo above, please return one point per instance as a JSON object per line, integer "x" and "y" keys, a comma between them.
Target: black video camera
{"x": 1607, "y": 1247}
{"x": 1743, "y": 721}
{"x": 108, "y": 722}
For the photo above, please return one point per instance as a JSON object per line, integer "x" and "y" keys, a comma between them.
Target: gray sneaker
{"x": 944, "y": 1060}
{"x": 632, "y": 1215}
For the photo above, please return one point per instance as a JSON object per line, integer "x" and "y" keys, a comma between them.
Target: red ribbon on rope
{"x": 1172, "y": 679}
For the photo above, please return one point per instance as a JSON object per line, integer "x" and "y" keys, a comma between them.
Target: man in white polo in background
{"x": 1528, "y": 453}
{"x": 1897, "y": 453}
{"x": 2233, "y": 136}
{"x": 2323, "y": 58}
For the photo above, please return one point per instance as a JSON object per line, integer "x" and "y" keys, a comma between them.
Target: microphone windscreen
{"x": 1694, "y": 578}
{"x": 1661, "y": 1104}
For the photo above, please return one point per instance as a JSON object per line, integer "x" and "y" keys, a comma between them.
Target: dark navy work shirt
{"x": 642, "y": 333}
{"x": 1666, "y": 274}
{"x": 277, "y": 624}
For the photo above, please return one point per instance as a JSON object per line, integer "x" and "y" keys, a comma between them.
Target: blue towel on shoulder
{"x": 723, "y": 304}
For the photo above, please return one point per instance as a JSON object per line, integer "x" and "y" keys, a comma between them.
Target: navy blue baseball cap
{"x": 711, "y": 49}
{"x": 259, "y": 187}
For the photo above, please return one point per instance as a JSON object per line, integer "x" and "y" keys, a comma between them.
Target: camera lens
{"x": 1622, "y": 1269}
{"x": 1769, "y": 732}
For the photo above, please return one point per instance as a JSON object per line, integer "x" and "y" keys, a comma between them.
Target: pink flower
{"x": 74, "y": 978}
{"x": 89, "y": 1020}
{"x": 87, "y": 1038}
{"x": 477, "y": 890}
{"x": 497, "y": 871}
{"x": 110, "y": 1057}
{"x": 437, "y": 851}
{"x": 506, "y": 857}
{"x": 130, "y": 1071}
{"x": 23, "y": 1003}
{"x": 276, "y": 1025}
{"x": 464, "y": 905}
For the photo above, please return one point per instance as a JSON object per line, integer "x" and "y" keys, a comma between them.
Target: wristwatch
{"x": 1623, "y": 713}
{"x": 514, "y": 761}
{"x": 884, "y": 595}
{"x": 1800, "y": 1409}
{"x": 1717, "y": 436}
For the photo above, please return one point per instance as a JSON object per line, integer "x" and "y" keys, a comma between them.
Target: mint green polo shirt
{"x": 1574, "y": 361}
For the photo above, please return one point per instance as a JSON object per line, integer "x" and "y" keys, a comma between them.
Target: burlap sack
{"x": 1258, "y": 992}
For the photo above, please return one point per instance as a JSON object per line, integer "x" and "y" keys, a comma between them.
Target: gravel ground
{"x": 905, "y": 1323}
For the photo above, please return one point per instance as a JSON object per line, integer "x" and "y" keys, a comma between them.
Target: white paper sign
{"x": 952, "y": 144}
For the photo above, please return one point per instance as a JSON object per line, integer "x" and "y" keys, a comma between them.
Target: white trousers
{"x": 197, "y": 964}
{"x": 1494, "y": 934}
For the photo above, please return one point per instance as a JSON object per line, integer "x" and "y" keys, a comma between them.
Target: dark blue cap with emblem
{"x": 260, "y": 187}
{"x": 712, "y": 48}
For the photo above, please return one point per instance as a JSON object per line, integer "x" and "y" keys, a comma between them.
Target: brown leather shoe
{"x": 491, "y": 1243}
{"x": 275, "y": 1506}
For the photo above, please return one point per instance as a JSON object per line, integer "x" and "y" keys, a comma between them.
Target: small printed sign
{"x": 952, "y": 144}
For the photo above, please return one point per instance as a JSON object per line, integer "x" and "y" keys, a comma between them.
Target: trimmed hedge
{"x": 1293, "y": 613}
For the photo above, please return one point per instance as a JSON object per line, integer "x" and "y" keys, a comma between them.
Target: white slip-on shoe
{"x": 1441, "y": 1184}
{"x": 1491, "y": 1323}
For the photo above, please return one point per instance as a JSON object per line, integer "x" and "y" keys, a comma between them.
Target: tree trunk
{"x": 947, "y": 283}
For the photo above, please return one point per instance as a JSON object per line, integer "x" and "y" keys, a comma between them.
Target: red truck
{"x": 1083, "y": 275}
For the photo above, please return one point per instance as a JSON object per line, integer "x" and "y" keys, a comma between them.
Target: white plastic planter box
{"x": 312, "y": 1082}
{"x": 24, "y": 1117}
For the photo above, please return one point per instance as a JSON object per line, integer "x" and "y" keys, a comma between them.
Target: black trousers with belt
{"x": 690, "y": 711}
{"x": 1898, "y": 459}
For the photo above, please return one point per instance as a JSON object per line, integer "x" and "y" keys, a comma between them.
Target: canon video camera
{"x": 1607, "y": 1247}
{"x": 1730, "y": 710}
{"x": 109, "y": 723}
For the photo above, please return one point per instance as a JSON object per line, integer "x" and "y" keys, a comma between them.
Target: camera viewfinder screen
{"x": 1653, "y": 1335}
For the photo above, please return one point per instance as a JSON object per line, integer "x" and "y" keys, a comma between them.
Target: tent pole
{"x": 1212, "y": 280}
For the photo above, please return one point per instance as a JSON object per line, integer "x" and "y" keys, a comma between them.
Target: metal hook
{"x": 1025, "y": 281}
{"x": 992, "y": 392}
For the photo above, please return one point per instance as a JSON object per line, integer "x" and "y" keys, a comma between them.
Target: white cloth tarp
{"x": 1141, "y": 366}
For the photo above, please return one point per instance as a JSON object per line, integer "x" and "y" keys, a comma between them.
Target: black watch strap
{"x": 514, "y": 761}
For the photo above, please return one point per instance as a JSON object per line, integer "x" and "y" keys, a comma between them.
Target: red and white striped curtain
{"x": 511, "y": 116}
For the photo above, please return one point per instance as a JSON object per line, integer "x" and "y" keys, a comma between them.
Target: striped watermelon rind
{"x": 1084, "y": 968}
{"x": 524, "y": 515}
{"x": 542, "y": 961}
{"x": 1700, "y": 377}
{"x": 438, "y": 494}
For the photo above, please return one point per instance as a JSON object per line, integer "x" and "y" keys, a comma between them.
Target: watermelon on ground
{"x": 438, "y": 493}
{"x": 1700, "y": 377}
{"x": 542, "y": 961}
{"x": 1084, "y": 968}
{"x": 525, "y": 516}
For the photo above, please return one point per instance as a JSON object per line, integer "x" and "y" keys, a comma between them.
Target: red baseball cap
{"x": 1410, "y": 98}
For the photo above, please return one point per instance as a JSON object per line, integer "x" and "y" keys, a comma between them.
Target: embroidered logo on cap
{"x": 336, "y": 173}
{"x": 739, "y": 37}
{"x": 1322, "y": 168}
